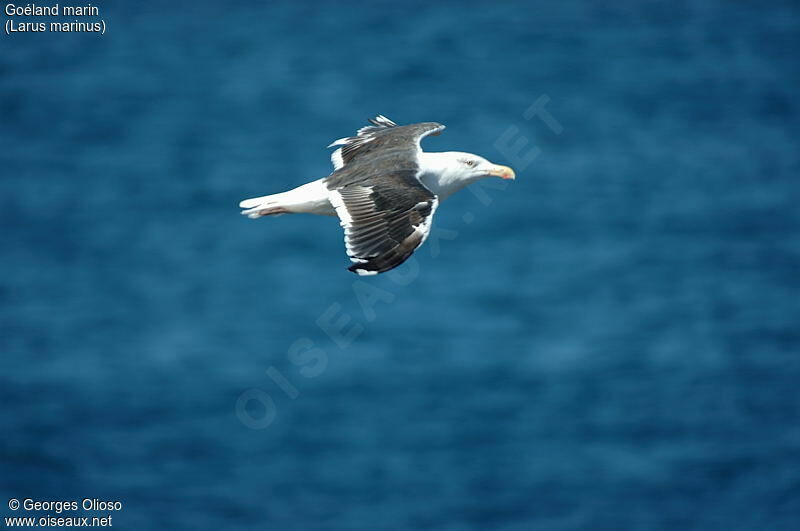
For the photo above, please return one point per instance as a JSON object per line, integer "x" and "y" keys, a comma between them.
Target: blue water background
{"x": 611, "y": 342}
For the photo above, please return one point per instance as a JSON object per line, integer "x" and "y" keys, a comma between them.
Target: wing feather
{"x": 382, "y": 134}
{"x": 384, "y": 222}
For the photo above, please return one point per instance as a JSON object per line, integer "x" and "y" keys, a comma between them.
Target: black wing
{"x": 384, "y": 219}
{"x": 382, "y": 135}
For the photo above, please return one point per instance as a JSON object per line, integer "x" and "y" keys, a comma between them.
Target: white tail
{"x": 311, "y": 198}
{"x": 267, "y": 205}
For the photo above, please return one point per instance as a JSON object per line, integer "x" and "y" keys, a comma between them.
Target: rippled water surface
{"x": 611, "y": 342}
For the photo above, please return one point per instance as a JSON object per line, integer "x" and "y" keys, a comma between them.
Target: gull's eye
{"x": 470, "y": 163}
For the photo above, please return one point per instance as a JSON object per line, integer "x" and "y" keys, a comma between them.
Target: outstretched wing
{"x": 383, "y": 134}
{"x": 384, "y": 219}
{"x": 385, "y": 210}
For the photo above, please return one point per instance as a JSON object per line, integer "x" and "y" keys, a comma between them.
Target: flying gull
{"x": 384, "y": 189}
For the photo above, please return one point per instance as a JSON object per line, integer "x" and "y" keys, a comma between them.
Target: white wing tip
{"x": 339, "y": 142}
{"x": 337, "y": 160}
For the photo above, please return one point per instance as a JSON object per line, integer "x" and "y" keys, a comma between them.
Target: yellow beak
{"x": 504, "y": 172}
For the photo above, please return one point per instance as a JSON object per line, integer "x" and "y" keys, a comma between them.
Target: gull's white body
{"x": 441, "y": 173}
